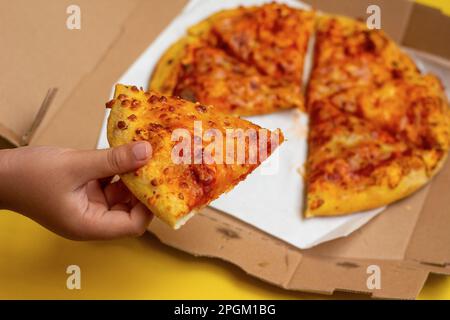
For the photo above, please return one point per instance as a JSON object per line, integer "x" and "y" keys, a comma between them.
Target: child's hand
{"x": 60, "y": 189}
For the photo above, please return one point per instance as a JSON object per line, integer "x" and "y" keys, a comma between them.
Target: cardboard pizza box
{"x": 55, "y": 82}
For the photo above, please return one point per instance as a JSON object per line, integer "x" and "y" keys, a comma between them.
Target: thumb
{"x": 96, "y": 164}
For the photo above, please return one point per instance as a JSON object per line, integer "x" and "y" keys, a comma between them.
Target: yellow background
{"x": 33, "y": 264}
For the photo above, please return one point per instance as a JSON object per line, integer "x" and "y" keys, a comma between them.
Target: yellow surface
{"x": 34, "y": 261}
{"x": 33, "y": 264}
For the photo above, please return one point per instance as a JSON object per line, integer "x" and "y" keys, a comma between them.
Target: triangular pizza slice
{"x": 198, "y": 152}
{"x": 244, "y": 61}
{"x": 209, "y": 75}
{"x": 379, "y": 129}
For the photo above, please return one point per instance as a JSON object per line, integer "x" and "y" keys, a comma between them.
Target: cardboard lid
{"x": 42, "y": 53}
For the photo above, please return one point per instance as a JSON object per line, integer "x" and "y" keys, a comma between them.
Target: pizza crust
{"x": 165, "y": 75}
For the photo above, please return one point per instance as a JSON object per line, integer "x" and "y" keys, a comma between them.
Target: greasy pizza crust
{"x": 173, "y": 191}
{"x": 240, "y": 83}
{"x": 379, "y": 129}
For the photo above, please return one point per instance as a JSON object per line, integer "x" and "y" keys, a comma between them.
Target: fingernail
{"x": 141, "y": 151}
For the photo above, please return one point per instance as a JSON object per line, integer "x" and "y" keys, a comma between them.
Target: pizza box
{"x": 54, "y": 84}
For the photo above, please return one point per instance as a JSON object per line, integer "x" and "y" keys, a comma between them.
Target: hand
{"x": 61, "y": 190}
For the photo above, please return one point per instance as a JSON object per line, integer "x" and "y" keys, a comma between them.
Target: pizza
{"x": 230, "y": 85}
{"x": 184, "y": 173}
{"x": 379, "y": 129}
{"x": 244, "y": 61}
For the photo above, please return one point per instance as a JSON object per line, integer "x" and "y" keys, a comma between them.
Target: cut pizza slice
{"x": 354, "y": 166}
{"x": 262, "y": 75}
{"x": 209, "y": 75}
{"x": 272, "y": 37}
{"x": 379, "y": 129}
{"x": 198, "y": 152}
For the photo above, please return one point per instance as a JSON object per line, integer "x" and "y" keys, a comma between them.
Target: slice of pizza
{"x": 272, "y": 37}
{"x": 264, "y": 76}
{"x": 379, "y": 129}
{"x": 209, "y": 75}
{"x": 354, "y": 166}
{"x": 198, "y": 152}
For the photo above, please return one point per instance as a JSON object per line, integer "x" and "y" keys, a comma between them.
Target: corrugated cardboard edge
{"x": 24, "y": 140}
{"x": 255, "y": 252}
{"x": 10, "y": 136}
{"x": 42, "y": 112}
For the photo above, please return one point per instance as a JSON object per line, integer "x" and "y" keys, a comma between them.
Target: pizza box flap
{"x": 428, "y": 30}
{"x": 406, "y": 242}
{"x": 42, "y": 53}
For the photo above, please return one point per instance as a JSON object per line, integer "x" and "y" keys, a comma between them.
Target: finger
{"x": 117, "y": 223}
{"x": 142, "y": 217}
{"x": 121, "y": 207}
{"x": 96, "y": 164}
{"x": 117, "y": 193}
{"x": 95, "y": 193}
